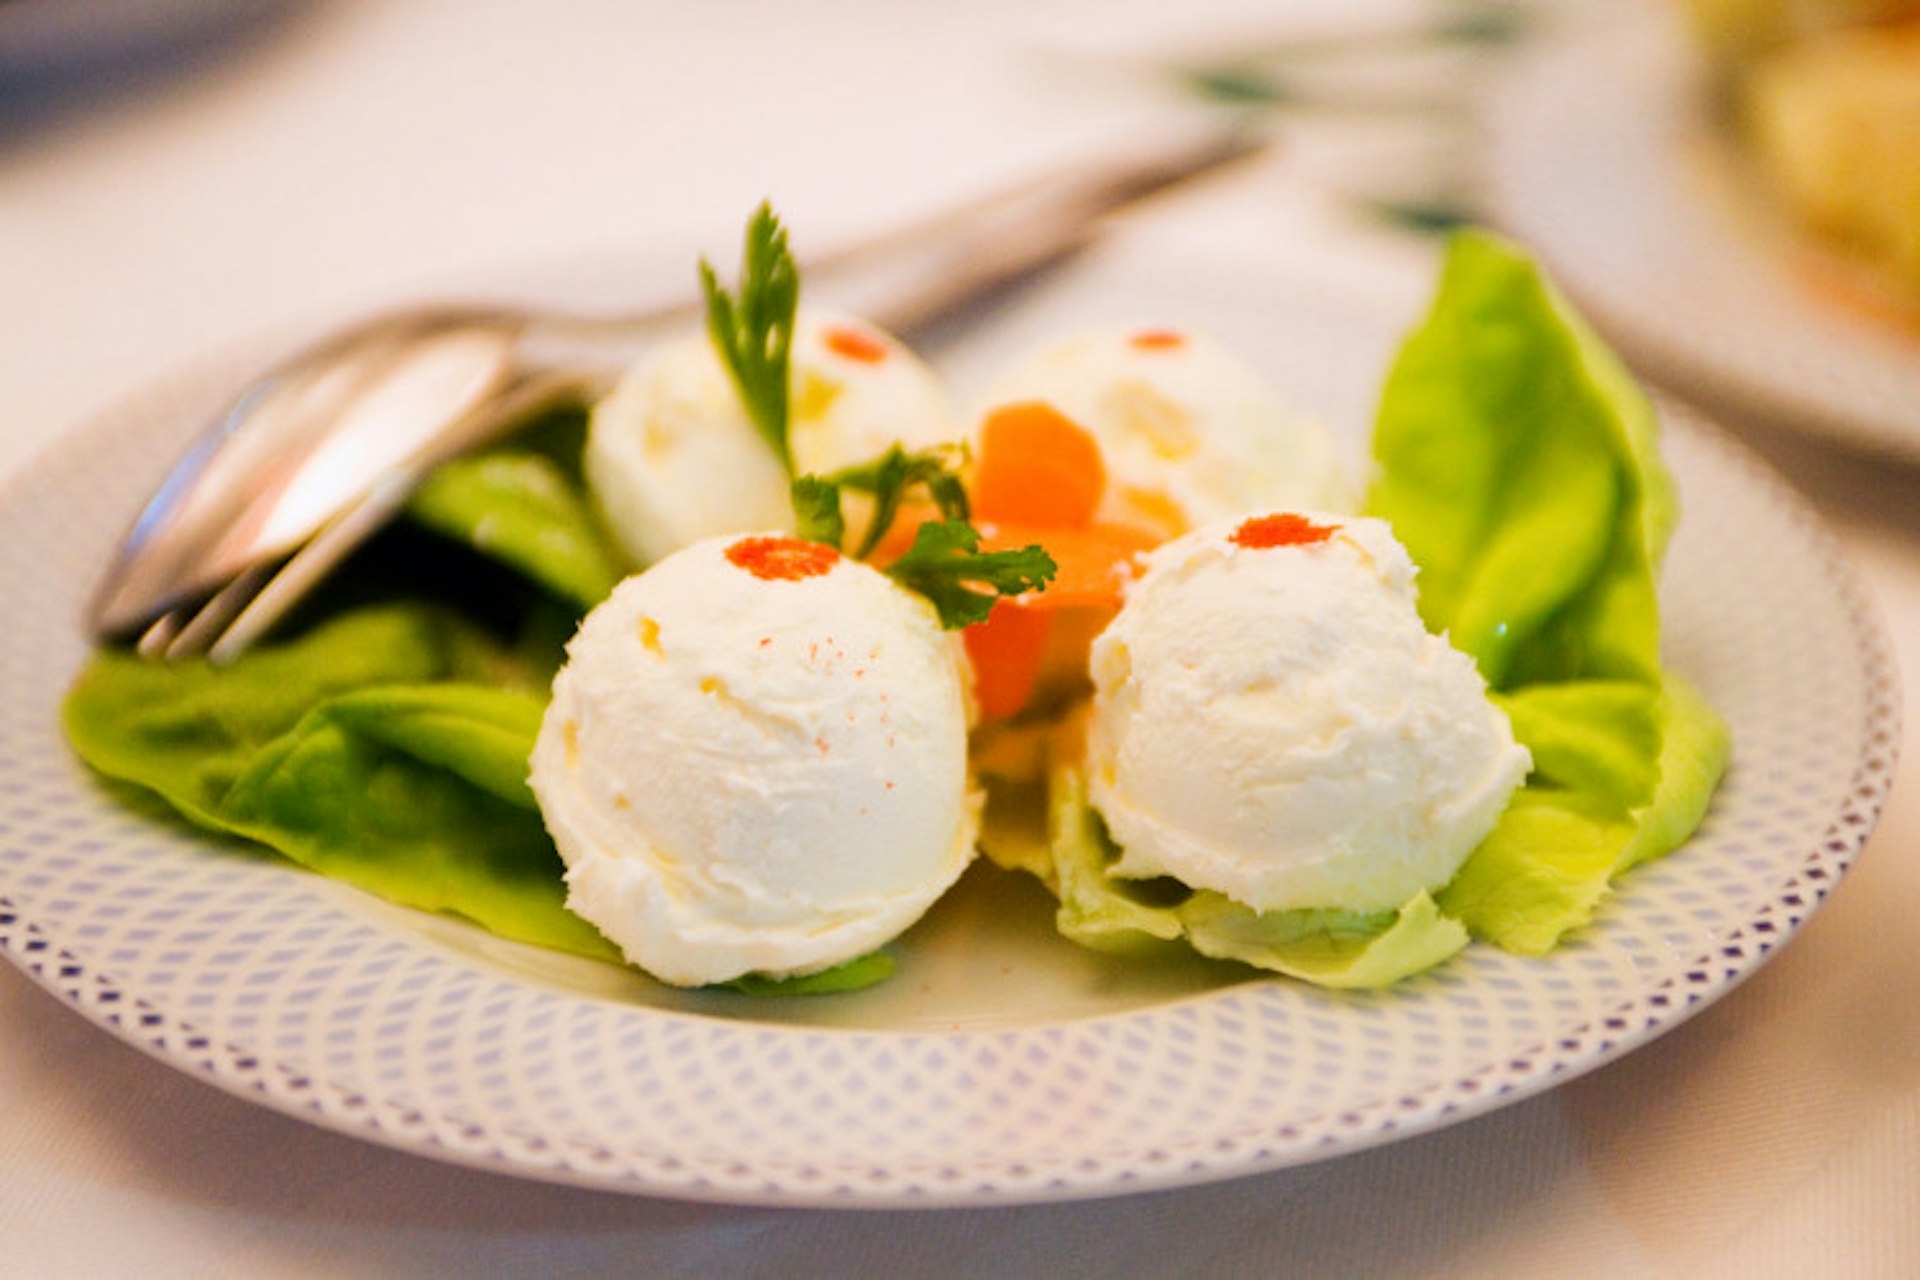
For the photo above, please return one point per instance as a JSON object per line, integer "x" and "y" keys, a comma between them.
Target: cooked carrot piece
{"x": 1006, "y": 651}
{"x": 1039, "y": 480}
{"x": 1039, "y": 640}
{"x": 1038, "y": 467}
{"x": 1094, "y": 562}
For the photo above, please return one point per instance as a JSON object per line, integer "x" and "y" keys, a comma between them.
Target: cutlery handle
{"x": 414, "y": 388}
{"x": 929, "y": 270}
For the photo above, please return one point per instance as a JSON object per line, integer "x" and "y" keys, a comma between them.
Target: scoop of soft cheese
{"x": 1271, "y": 720}
{"x": 672, "y": 456}
{"x": 755, "y": 761}
{"x": 1188, "y": 431}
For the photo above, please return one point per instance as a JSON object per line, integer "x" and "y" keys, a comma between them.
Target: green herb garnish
{"x": 945, "y": 564}
{"x": 945, "y": 557}
{"x": 889, "y": 477}
{"x": 753, "y": 329}
{"x": 816, "y": 499}
{"x": 816, "y": 510}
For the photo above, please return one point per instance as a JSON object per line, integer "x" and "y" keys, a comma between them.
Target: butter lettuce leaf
{"x": 853, "y": 975}
{"x": 380, "y": 747}
{"x": 1338, "y": 949}
{"x": 382, "y": 738}
{"x": 1696, "y": 748}
{"x": 1520, "y": 465}
{"x": 522, "y": 508}
{"x": 188, "y": 730}
{"x": 1342, "y": 949}
{"x": 418, "y": 793}
{"x": 1555, "y": 853}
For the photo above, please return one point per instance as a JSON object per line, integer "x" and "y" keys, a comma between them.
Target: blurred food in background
{"x": 1823, "y": 98}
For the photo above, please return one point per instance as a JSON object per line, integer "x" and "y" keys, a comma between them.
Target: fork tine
{"x": 252, "y": 604}
{"x": 187, "y": 631}
{"x": 228, "y": 622}
{"x": 154, "y": 640}
{"x": 277, "y": 592}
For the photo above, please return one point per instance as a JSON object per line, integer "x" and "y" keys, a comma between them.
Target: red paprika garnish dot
{"x": 1158, "y": 340}
{"x": 1284, "y": 530}
{"x": 855, "y": 345}
{"x": 782, "y": 559}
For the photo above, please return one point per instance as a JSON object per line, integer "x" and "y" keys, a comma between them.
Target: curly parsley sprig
{"x": 945, "y": 563}
{"x": 886, "y": 479}
{"x": 816, "y": 510}
{"x": 753, "y": 328}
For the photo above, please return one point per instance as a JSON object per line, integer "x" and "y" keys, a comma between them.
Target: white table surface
{"x": 353, "y": 152}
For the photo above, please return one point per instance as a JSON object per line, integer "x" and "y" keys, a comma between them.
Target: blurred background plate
{"x": 1603, "y": 157}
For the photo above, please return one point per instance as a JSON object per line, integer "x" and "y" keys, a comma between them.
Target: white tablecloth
{"x": 341, "y": 154}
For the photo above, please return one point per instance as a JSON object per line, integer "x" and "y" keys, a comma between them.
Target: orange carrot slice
{"x": 1007, "y": 651}
{"x": 1037, "y": 466}
{"x": 1094, "y": 562}
{"x": 1040, "y": 639}
{"x": 1039, "y": 479}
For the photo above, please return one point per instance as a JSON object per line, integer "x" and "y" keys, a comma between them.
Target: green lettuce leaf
{"x": 1520, "y": 465}
{"x": 418, "y": 793}
{"x": 188, "y": 730}
{"x": 1581, "y": 821}
{"x": 1339, "y": 949}
{"x": 855, "y": 974}
{"x": 521, "y": 508}
{"x": 379, "y": 748}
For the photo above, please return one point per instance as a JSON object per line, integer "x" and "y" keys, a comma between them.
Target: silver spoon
{"x": 322, "y": 451}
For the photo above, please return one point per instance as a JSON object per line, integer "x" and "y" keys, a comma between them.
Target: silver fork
{"x": 321, "y": 451}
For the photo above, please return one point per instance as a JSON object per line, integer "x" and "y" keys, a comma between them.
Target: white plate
{"x": 1002, "y": 1064}
{"x": 1601, "y": 156}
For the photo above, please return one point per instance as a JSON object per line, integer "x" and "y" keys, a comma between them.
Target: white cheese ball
{"x": 672, "y": 456}
{"x": 755, "y": 761}
{"x": 1274, "y": 722}
{"x": 1189, "y": 431}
